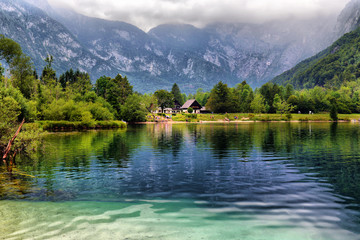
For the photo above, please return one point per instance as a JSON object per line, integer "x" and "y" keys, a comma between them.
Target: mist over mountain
{"x": 169, "y": 53}
{"x": 349, "y": 18}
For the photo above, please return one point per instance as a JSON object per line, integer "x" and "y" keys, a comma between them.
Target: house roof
{"x": 189, "y": 103}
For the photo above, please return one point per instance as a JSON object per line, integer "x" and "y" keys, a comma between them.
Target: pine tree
{"x": 177, "y": 94}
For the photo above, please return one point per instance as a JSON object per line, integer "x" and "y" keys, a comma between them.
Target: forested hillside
{"x": 330, "y": 68}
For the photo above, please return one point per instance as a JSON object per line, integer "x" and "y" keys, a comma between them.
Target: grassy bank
{"x": 67, "y": 125}
{"x": 256, "y": 117}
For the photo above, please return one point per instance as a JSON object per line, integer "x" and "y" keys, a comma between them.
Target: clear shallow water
{"x": 237, "y": 181}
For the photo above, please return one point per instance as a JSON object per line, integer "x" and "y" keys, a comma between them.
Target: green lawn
{"x": 258, "y": 117}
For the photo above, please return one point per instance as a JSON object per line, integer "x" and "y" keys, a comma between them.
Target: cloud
{"x": 149, "y": 13}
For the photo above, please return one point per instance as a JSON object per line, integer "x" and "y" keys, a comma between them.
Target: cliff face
{"x": 349, "y": 19}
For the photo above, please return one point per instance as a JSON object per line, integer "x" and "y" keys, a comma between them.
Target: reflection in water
{"x": 302, "y": 178}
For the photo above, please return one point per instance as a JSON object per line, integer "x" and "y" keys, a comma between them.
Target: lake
{"x": 258, "y": 181}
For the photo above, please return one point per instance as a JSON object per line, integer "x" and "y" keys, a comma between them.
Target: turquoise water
{"x": 198, "y": 181}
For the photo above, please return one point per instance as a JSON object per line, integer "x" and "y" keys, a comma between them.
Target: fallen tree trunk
{"x": 11, "y": 142}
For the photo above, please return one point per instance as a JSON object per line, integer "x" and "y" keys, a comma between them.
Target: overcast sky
{"x": 150, "y": 13}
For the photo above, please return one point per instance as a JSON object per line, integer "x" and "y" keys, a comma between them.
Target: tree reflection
{"x": 206, "y": 158}
{"x": 166, "y": 138}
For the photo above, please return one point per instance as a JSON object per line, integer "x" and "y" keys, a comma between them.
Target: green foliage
{"x": 164, "y": 98}
{"x": 21, "y": 67}
{"x": 242, "y": 96}
{"x": 2, "y": 70}
{"x": 134, "y": 109}
{"x": 9, "y": 49}
{"x": 333, "y": 110}
{"x": 330, "y": 68}
{"x": 48, "y": 76}
{"x": 191, "y": 115}
{"x": 58, "y": 125}
{"x": 115, "y": 91}
{"x": 268, "y": 91}
{"x": 22, "y": 72}
{"x": 175, "y": 90}
{"x": 77, "y": 82}
{"x": 220, "y": 99}
{"x": 190, "y": 110}
{"x": 26, "y": 110}
{"x": 150, "y": 102}
{"x": 87, "y": 119}
{"x": 258, "y": 104}
{"x": 281, "y": 106}
{"x": 288, "y": 116}
{"x": 201, "y": 96}
{"x": 9, "y": 112}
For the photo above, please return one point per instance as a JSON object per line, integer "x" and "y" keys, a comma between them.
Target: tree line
{"x": 72, "y": 96}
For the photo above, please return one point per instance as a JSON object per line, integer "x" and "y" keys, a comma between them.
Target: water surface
{"x": 196, "y": 181}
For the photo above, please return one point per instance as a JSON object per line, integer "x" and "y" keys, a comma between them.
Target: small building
{"x": 177, "y": 107}
{"x": 204, "y": 110}
{"x": 193, "y": 104}
{"x": 158, "y": 110}
{"x": 168, "y": 110}
{"x": 174, "y": 110}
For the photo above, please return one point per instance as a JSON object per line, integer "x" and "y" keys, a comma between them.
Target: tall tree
{"x": 175, "y": 90}
{"x": 258, "y": 104}
{"x": 22, "y": 71}
{"x": 101, "y": 86}
{"x": 165, "y": 99}
{"x": 48, "y": 75}
{"x": 220, "y": 99}
{"x": 78, "y": 82}
{"x": 124, "y": 89}
{"x": 134, "y": 109}
{"x": 269, "y": 90}
{"x": 114, "y": 90}
{"x": 9, "y": 49}
{"x": 281, "y": 106}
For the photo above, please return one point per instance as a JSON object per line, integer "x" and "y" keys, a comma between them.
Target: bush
{"x": 288, "y": 116}
{"x": 99, "y": 112}
{"x": 190, "y": 110}
{"x": 56, "y": 125}
{"x": 87, "y": 120}
{"x": 134, "y": 110}
{"x": 192, "y": 115}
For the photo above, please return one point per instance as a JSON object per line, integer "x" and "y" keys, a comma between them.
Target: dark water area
{"x": 189, "y": 181}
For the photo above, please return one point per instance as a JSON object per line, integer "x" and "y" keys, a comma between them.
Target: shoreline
{"x": 247, "y": 121}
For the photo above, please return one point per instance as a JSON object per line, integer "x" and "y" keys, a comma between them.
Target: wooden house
{"x": 193, "y": 104}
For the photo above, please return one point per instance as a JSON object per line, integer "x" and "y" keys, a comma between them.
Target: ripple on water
{"x": 166, "y": 219}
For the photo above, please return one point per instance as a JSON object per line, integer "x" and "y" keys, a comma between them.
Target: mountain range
{"x": 192, "y": 57}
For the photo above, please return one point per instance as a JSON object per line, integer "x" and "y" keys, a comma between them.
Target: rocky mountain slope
{"x": 184, "y": 54}
{"x": 195, "y": 57}
{"x": 349, "y": 19}
{"x": 39, "y": 35}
